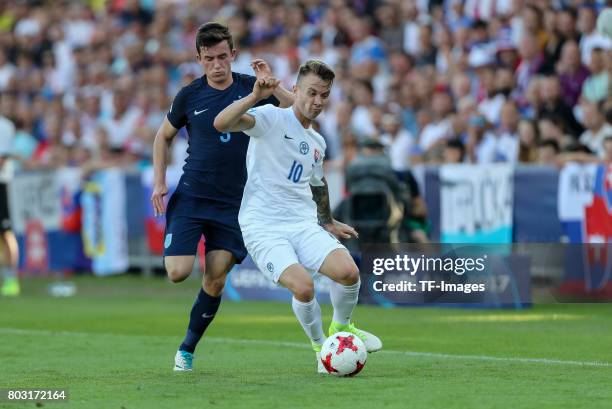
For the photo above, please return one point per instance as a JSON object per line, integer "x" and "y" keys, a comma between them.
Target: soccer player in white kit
{"x": 285, "y": 215}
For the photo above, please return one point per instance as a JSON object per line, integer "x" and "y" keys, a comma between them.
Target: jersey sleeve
{"x": 265, "y": 118}
{"x": 316, "y": 179}
{"x": 177, "y": 115}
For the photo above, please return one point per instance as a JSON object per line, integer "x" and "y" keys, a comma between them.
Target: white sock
{"x": 344, "y": 298}
{"x": 309, "y": 315}
{"x": 9, "y": 272}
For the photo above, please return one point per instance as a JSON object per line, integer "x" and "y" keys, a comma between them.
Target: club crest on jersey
{"x": 304, "y": 148}
{"x": 317, "y": 155}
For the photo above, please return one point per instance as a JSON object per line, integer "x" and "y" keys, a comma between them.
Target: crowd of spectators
{"x": 87, "y": 83}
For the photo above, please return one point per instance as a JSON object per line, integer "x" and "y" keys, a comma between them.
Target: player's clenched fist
{"x": 157, "y": 198}
{"x": 264, "y": 87}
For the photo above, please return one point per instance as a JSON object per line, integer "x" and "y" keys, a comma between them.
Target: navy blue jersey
{"x": 215, "y": 167}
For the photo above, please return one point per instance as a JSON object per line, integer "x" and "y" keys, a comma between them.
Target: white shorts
{"x": 273, "y": 249}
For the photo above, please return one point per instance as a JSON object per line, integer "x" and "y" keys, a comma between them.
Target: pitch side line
{"x": 417, "y": 354}
{"x": 425, "y": 354}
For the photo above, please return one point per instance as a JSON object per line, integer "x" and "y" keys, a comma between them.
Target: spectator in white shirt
{"x": 587, "y": 20}
{"x": 398, "y": 141}
{"x": 597, "y": 129}
{"x": 126, "y": 117}
{"x": 440, "y": 128}
{"x": 7, "y": 70}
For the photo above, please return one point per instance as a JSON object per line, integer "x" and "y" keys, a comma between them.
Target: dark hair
{"x": 556, "y": 119}
{"x": 456, "y": 143}
{"x": 479, "y": 25}
{"x": 366, "y": 84}
{"x": 551, "y": 143}
{"x": 571, "y": 11}
{"x": 318, "y": 68}
{"x": 579, "y": 147}
{"x": 212, "y": 33}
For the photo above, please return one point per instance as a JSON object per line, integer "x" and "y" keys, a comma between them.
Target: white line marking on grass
{"x": 415, "y": 354}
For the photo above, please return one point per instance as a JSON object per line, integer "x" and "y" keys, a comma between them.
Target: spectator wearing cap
{"x": 572, "y": 73}
{"x": 590, "y": 38}
{"x": 597, "y": 129}
{"x": 507, "y": 53}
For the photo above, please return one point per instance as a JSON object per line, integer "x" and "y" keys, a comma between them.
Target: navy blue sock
{"x": 203, "y": 312}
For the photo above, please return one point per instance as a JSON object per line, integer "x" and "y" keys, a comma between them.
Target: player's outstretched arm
{"x": 320, "y": 195}
{"x": 263, "y": 70}
{"x": 234, "y": 117}
{"x": 161, "y": 153}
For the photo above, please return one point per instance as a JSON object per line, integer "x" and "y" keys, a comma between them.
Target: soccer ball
{"x": 343, "y": 354}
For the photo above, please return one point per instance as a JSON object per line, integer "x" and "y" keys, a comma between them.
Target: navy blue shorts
{"x": 189, "y": 217}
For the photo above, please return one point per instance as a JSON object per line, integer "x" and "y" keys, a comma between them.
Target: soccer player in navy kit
{"x": 208, "y": 196}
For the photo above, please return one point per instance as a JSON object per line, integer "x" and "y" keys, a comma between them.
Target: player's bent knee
{"x": 348, "y": 274}
{"x": 214, "y": 286}
{"x": 177, "y": 274}
{"x": 304, "y": 292}
{"x": 353, "y": 276}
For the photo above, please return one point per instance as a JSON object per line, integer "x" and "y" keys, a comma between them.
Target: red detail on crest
{"x": 327, "y": 364}
{"x": 358, "y": 369}
{"x": 36, "y": 247}
{"x": 346, "y": 342}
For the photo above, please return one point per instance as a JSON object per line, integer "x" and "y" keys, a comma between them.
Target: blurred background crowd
{"x": 429, "y": 81}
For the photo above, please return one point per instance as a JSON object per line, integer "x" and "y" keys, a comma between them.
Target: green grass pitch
{"x": 113, "y": 344}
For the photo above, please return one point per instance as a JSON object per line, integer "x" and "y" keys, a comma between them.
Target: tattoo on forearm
{"x": 320, "y": 195}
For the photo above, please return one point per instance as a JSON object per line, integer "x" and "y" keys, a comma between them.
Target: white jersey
{"x": 7, "y": 134}
{"x": 283, "y": 160}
